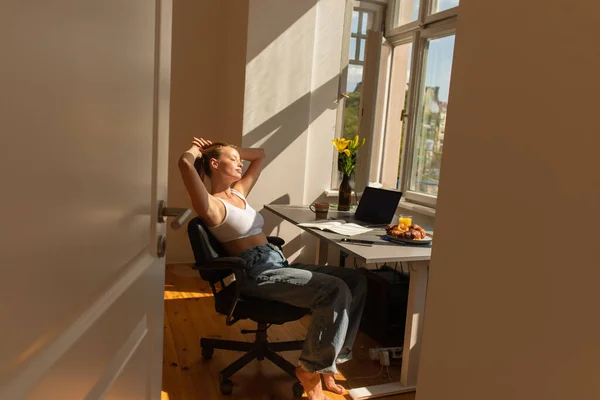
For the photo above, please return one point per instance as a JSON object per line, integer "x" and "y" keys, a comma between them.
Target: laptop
{"x": 376, "y": 207}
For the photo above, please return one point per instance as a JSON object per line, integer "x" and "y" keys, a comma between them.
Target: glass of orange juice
{"x": 405, "y": 219}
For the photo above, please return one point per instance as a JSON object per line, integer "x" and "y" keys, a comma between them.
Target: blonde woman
{"x": 335, "y": 295}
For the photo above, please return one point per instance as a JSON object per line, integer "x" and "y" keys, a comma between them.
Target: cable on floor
{"x": 364, "y": 377}
{"x": 387, "y": 370}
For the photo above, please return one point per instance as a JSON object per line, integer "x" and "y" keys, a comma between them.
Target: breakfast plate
{"x": 424, "y": 241}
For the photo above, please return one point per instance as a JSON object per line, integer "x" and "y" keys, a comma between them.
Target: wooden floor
{"x": 190, "y": 314}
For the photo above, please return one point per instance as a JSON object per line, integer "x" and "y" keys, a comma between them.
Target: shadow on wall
{"x": 278, "y": 24}
{"x": 273, "y": 224}
{"x": 271, "y": 220}
{"x": 294, "y": 120}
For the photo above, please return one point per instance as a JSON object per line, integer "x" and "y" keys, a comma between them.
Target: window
{"x": 361, "y": 21}
{"x": 442, "y": 5}
{"x": 422, "y": 36}
{"x": 395, "y": 93}
{"x": 431, "y": 116}
{"x": 365, "y": 16}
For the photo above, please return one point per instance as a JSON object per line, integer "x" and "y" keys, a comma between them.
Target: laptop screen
{"x": 377, "y": 206}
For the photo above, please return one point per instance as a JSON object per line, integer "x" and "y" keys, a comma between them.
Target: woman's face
{"x": 230, "y": 164}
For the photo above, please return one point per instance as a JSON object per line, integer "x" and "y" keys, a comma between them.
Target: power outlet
{"x": 374, "y": 354}
{"x": 394, "y": 352}
{"x": 384, "y": 358}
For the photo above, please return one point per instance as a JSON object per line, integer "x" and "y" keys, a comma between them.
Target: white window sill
{"x": 404, "y": 204}
{"x": 333, "y": 194}
{"x": 421, "y": 209}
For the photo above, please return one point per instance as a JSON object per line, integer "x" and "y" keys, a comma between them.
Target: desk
{"x": 381, "y": 252}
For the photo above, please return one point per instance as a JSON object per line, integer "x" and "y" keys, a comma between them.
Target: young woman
{"x": 335, "y": 295}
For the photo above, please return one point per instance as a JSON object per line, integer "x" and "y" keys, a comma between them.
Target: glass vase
{"x": 345, "y": 194}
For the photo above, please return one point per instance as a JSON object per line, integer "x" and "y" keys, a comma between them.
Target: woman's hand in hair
{"x": 197, "y": 146}
{"x": 201, "y": 143}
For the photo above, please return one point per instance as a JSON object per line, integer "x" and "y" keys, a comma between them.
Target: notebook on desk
{"x": 376, "y": 207}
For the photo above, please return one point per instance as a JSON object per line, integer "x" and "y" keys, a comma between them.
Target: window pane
{"x": 365, "y": 21}
{"x": 352, "y": 49}
{"x": 352, "y": 104}
{"x": 361, "y": 50}
{"x": 354, "y": 26}
{"x": 406, "y": 11}
{"x": 431, "y": 122}
{"x": 441, "y": 5}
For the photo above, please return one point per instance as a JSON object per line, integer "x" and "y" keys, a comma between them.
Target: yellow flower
{"x": 356, "y": 143}
{"x": 340, "y": 144}
{"x": 347, "y": 152}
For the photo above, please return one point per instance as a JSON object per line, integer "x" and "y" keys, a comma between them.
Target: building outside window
{"x": 413, "y": 82}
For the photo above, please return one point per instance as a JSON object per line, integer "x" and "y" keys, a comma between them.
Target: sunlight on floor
{"x": 173, "y": 294}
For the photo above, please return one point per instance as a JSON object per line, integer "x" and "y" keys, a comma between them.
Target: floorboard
{"x": 190, "y": 315}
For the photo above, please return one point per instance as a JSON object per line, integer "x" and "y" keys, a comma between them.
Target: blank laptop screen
{"x": 377, "y": 206}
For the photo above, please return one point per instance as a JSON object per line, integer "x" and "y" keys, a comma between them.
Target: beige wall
{"x": 207, "y": 89}
{"x": 512, "y": 307}
{"x": 293, "y": 61}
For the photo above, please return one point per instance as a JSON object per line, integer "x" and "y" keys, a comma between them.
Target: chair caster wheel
{"x": 297, "y": 389}
{"x": 226, "y": 387}
{"x": 207, "y": 353}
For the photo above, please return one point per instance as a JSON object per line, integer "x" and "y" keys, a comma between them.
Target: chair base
{"x": 259, "y": 350}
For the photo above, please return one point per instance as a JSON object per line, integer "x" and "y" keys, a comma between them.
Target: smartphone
{"x": 357, "y": 241}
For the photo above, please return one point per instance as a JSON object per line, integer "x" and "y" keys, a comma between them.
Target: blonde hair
{"x": 215, "y": 150}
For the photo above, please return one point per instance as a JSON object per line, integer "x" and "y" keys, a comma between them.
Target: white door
{"x": 84, "y": 100}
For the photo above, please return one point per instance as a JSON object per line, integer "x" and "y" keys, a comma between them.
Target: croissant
{"x": 413, "y": 232}
{"x": 407, "y": 235}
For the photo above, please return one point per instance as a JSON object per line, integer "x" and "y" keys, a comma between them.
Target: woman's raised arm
{"x": 206, "y": 206}
{"x": 256, "y": 156}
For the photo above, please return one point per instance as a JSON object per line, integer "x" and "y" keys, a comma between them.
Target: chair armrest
{"x": 238, "y": 266}
{"x": 277, "y": 241}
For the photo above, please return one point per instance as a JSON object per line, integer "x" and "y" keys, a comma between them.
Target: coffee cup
{"x": 320, "y": 209}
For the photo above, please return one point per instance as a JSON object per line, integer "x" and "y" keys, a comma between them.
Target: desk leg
{"x": 343, "y": 258}
{"x": 417, "y": 291}
{"x": 322, "y": 252}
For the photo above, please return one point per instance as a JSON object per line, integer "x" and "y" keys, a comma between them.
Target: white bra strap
{"x": 238, "y": 193}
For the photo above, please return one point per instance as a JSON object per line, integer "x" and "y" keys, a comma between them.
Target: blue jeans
{"x": 335, "y": 295}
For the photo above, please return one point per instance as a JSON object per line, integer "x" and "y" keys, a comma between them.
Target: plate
{"x": 426, "y": 240}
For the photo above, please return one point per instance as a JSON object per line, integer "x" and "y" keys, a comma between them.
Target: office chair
{"x": 214, "y": 266}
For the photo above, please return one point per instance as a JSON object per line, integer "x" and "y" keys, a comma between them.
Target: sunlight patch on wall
{"x": 281, "y": 73}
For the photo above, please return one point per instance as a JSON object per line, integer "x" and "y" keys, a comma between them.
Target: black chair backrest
{"x": 206, "y": 248}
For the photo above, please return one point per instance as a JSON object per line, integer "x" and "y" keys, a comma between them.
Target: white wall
{"x": 293, "y": 59}
{"x": 207, "y": 89}
{"x": 513, "y": 294}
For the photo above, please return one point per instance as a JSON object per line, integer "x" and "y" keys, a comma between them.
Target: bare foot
{"x": 312, "y": 384}
{"x": 331, "y": 385}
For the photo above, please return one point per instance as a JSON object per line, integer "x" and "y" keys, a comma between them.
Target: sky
{"x": 439, "y": 65}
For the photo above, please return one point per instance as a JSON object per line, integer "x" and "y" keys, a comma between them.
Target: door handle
{"x": 180, "y": 214}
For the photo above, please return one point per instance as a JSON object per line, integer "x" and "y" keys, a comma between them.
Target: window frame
{"x": 426, "y": 27}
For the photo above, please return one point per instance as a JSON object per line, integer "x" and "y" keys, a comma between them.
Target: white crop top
{"x": 238, "y": 222}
